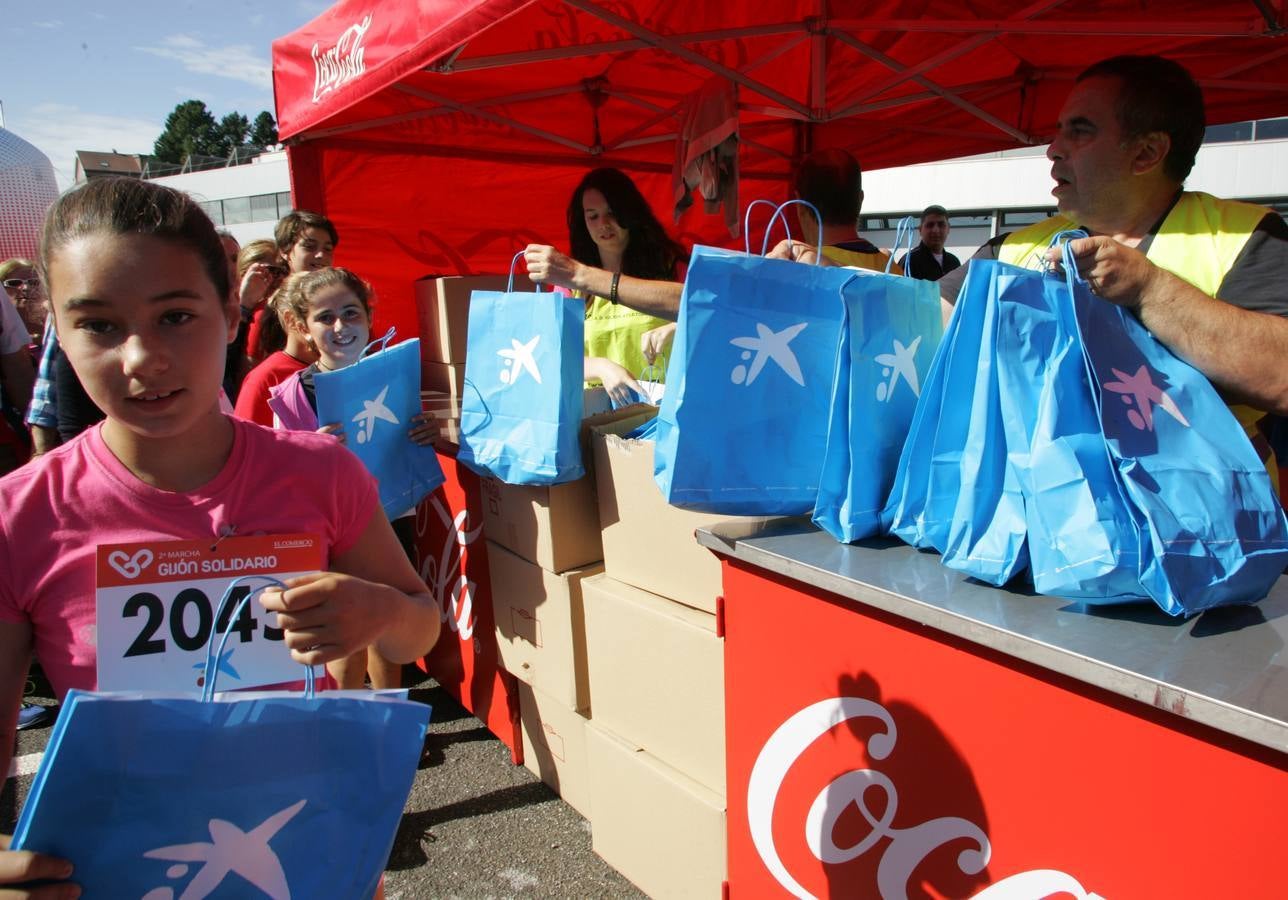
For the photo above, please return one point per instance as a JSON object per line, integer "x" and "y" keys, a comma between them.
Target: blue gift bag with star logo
{"x": 743, "y": 423}
{"x": 267, "y": 794}
{"x": 375, "y": 399}
{"x": 1212, "y": 530}
{"x": 522, "y": 405}
{"x": 953, "y": 489}
{"x": 1057, "y": 437}
{"x": 890, "y": 328}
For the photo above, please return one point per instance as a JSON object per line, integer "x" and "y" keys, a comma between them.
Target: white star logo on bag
{"x": 768, "y": 345}
{"x": 1140, "y": 391}
{"x": 520, "y": 358}
{"x": 371, "y": 411}
{"x": 229, "y": 851}
{"x": 899, "y": 366}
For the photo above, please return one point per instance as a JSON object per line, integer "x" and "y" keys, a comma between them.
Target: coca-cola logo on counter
{"x": 900, "y": 850}
{"x": 445, "y": 574}
{"x": 340, "y": 63}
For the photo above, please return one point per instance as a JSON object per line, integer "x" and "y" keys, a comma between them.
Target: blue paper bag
{"x": 375, "y": 400}
{"x": 890, "y": 330}
{"x": 1083, "y": 542}
{"x": 1212, "y": 529}
{"x": 953, "y": 489}
{"x": 522, "y": 407}
{"x": 267, "y": 794}
{"x": 744, "y": 419}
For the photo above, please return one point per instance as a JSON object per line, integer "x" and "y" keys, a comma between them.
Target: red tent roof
{"x": 900, "y": 81}
{"x": 441, "y": 135}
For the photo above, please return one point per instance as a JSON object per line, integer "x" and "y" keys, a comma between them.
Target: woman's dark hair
{"x": 118, "y": 205}
{"x": 650, "y": 252}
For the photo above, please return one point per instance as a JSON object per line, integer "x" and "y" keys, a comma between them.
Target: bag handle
{"x": 212, "y": 670}
{"x": 509, "y": 288}
{"x": 382, "y": 341}
{"x": 902, "y": 236}
{"x": 778, "y": 216}
{"x": 1064, "y": 238}
{"x": 746, "y": 222}
{"x": 655, "y": 369}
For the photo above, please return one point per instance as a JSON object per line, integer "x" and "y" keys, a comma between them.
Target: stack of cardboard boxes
{"x": 622, "y": 694}
{"x": 606, "y": 613}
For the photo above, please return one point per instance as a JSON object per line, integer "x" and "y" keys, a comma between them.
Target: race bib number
{"x": 158, "y": 606}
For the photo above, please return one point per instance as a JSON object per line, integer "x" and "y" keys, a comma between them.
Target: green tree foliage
{"x": 264, "y": 132}
{"x": 233, "y": 130}
{"x": 192, "y": 129}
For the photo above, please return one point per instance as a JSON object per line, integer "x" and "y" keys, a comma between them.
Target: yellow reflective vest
{"x": 1199, "y": 241}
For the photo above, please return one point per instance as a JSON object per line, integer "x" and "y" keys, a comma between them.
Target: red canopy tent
{"x": 442, "y": 135}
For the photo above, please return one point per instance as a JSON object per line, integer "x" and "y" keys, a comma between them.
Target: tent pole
{"x": 936, "y": 89}
{"x": 677, "y": 49}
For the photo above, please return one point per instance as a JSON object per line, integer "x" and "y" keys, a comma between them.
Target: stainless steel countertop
{"x": 1224, "y": 668}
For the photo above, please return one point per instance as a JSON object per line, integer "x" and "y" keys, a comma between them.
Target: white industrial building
{"x": 986, "y": 195}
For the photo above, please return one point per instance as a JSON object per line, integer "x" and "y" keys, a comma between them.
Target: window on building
{"x": 237, "y": 210}
{"x": 263, "y": 208}
{"x": 1224, "y": 134}
{"x": 214, "y": 209}
{"x": 1014, "y": 217}
{"x": 970, "y": 220}
{"x": 283, "y": 203}
{"x": 1272, "y": 129}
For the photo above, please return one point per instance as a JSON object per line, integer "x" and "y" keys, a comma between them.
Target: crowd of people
{"x": 166, "y": 374}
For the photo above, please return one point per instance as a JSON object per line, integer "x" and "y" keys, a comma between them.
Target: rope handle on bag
{"x": 509, "y": 287}
{"x": 746, "y": 222}
{"x": 902, "y": 235}
{"x": 655, "y": 369}
{"x": 778, "y": 216}
{"x": 382, "y": 341}
{"x": 212, "y": 670}
{"x": 1064, "y": 238}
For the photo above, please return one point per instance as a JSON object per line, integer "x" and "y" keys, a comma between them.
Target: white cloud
{"x": 49, "y": 23}
{"x": 236, "y": 61}
{"x": 59, "y": 130}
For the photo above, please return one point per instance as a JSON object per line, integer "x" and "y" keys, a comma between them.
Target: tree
{"x": 189, "y": 129}
{"x": 264, "y": 132}
{"x": 233, "y": 129}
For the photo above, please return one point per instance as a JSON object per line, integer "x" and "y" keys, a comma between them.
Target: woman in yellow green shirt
{"x": 611, "y": 227}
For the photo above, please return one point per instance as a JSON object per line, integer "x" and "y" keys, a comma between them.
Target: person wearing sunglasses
{"x": 22, "y": 284}
{"x": 17, "y": 371}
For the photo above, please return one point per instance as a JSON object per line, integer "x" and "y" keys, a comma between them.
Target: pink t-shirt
{"x": 55, "y": 511}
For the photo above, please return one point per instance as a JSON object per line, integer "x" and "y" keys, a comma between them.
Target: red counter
{"x": 452, "y": 559}
{"x": 896, "y": 730}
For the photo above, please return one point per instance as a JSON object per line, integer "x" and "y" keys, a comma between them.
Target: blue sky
{"x": 76, "y": 75}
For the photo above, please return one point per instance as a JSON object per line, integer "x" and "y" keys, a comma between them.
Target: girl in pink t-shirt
{"x": 139, "y": 292}
{"x": 331, "y": 309}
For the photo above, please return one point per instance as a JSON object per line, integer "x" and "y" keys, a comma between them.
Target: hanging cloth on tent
{"x": 706, "y": 153}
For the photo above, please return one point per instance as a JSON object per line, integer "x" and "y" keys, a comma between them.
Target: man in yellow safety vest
{"x": 1204, "y": 275}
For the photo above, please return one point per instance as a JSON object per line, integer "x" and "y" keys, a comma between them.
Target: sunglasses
{"x": 19, "y": 282}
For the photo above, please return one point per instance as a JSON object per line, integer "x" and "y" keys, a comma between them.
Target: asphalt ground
{"x": 475, "y": 825}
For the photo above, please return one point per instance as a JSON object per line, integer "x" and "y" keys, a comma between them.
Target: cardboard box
{"x": 442, "y": 378}
{"x": 556, "y": 526}
{"x": 659, "y": 828}
{"x": 656, "y": 672}
{"x": 554, "y": 746}
{"x": 639, "y": 529}
{"x": 443, "y": 306}
{"x": 540, "y": 625}
{"x": 447, "y": 410}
